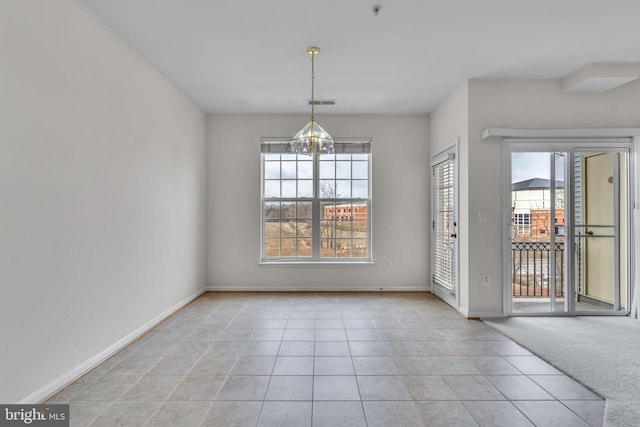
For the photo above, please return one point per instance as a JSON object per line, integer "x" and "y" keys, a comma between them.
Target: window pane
{"x": 359, "y": 224}
{"x": 272, "y": 228}
{"x": 304, "y": 229}
{"x": 328, "y": 210}
{"x": 328, "y": 235}
{"x": 288, "y": 170}
{"x": 304, "y": 210}
{"x": 289, "y": 228}
{"x": 289, "y": 156}
{"x": 289, "y": 210}
{"x": 327, "y": 170}
{"x": 343, "y": 248}
{"x": 288, "y": 248}
{"x": 343, "y": 188}
{"x": 305, "y": 188}
{"x": 304, "y": 247}
{"x": 360, "y": 170}
{"x": 343, "y": 227}
{"x": 271, "y": 210}
{"x": 343, "y": 170}
{"x": 272, "y": 170}
{"x": 271, "y": 247}
{"x": 360, "y": 157}
{"x": 327, "y": 189}
{"x": 305, "y": 169}
{"x": 327, "y": 248}
{"x": 360, "y": 189}
{"x": 328, "y": 230}
{"x": 271, "y": 189}
{"x": 359, "y": 248}
{"x": 289, "y": 188}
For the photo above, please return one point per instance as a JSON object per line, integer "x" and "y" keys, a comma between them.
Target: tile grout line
{"x": 364, "y": 414}
{"x": 403, "y": 319}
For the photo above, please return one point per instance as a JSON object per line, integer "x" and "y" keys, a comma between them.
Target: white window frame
{"x": 342, "y": 146}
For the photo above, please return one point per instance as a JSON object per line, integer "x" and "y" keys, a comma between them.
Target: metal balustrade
{"x": 531, "y": 268}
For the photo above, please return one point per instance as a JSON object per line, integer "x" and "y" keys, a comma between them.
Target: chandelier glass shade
{"x": 312, "y": 139}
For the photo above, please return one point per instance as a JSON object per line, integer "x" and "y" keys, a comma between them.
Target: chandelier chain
{"x": 313, "y": 77}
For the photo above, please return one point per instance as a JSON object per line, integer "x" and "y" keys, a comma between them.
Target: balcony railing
{"x": 531, "y": 263}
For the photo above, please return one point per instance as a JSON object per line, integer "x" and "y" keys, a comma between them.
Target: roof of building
{"x": 535, "y": 184}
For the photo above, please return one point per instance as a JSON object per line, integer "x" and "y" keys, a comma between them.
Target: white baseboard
{"x": 327, "y": 288}
{"x": 65, "y": 379}
{"x": 480, "y": 314}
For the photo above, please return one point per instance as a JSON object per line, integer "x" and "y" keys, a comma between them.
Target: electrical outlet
{"x": 387, "y": 263}
{"x": 482, "y": 216}
{"x": 486, "y": 279}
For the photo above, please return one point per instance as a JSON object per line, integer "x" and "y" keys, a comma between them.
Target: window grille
{"x": 316, "y": 209}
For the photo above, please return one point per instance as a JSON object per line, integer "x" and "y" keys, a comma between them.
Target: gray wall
{"x": 101, "y": 194}
{"x": 400, "y": 198}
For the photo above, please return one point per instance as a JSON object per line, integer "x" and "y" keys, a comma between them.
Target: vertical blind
{"x": 444, "y": 225}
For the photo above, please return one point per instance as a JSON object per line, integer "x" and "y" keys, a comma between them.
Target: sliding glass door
{"x": 568, "y": 230}
{"x": 601, "y": 234}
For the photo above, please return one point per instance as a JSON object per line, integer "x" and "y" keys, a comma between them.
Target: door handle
{"x": 454, "y": 235}
{"x": 589, "y": 233}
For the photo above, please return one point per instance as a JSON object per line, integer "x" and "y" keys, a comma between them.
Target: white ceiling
{"x": 249, "y": 56}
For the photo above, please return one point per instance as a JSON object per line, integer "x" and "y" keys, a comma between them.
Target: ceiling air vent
{"x": 322, "y": 102}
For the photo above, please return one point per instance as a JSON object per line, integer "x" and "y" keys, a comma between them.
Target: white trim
{"x": 576, "y": 145}
{"x": 446, "y": 152}
{"x": 507, "y": 303}
{"x": 561, "y": 133}
{"x": 539, "y": 144}
{"x": 311, "y": 288}
{"x": 449, "y": 152}
{"x": 577, "y": 140}
{"x": 481, "y": 314}
{"x": 634, "y": 191}
{"x": 486, "y": 314}
{"x": 72, "y": 375}
{"x": 635, "y": 289}
{"x": 449, "y": 298}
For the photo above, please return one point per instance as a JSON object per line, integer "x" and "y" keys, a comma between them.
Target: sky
{"x": 533, "y": 165}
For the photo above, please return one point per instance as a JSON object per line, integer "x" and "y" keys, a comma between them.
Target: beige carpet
{"x": 603, "y": 353}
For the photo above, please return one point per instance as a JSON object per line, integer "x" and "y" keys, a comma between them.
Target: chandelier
{"x": 312, "y": 139}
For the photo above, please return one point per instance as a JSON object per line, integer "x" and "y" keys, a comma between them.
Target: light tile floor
{"x": 326, "y": 359}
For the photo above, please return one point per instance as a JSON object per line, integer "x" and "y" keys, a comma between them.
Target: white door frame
{"x": 563, "y": 140}
{"x": 449, "y": 152}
